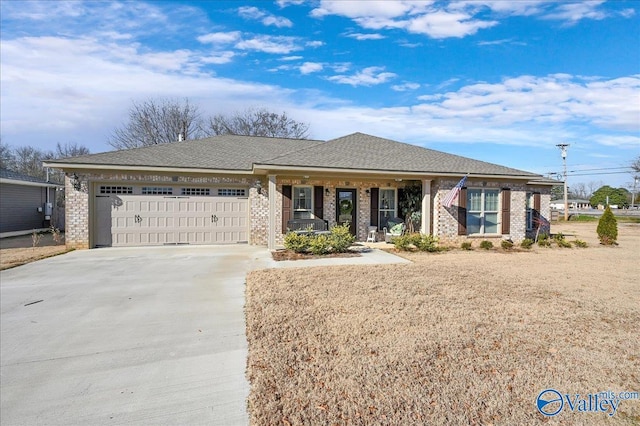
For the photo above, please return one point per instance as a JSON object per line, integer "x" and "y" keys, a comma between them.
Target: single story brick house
{"x": 244, "y": 189}
{"x": 27, "y": 203}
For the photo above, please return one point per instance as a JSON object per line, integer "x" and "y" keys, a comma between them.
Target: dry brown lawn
{"x": 16, "y": 251}
{"x": 454, "y": 338}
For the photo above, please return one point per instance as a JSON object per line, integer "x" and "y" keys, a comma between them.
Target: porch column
{"x": 426, "y": 207}
{"x": 271, "y": 244}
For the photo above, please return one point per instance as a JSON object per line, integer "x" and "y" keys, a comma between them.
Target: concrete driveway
{"x": 127, "y": 336}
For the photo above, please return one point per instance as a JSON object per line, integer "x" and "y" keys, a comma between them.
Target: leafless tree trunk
{"x": 256, "y": 122}
{"x": 154, "y": 122}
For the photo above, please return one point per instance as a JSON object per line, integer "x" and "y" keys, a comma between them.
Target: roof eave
{"x": 30, "y": 183}
{"x": 84, "y": 166}
{"x": 306, "y": 169}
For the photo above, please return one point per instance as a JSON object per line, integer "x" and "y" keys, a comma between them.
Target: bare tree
{"x": 635, "y": 165}
{"x": 70, "y": 149}
{"x": 593, "y": 187}
{"x": 28, "y": 160}
{"x": 579, "y": 190}
{"x": 256, "y": 122}
{"x": 154, "y": 122}
{"x": 7, "y": 159}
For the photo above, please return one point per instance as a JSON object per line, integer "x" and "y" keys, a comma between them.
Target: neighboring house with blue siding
{"x": 23, "y": 203}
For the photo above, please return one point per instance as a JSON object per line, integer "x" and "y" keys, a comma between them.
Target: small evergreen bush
{"x": 580, "y": 243}
{"x": 416, "y": 241}
{"x": 319, "y": 244}
{"x": 544, "y": 241}
{"x": 506, "y": 244}
{"x": 466, "y": 246}
{"x": 341, "y": 239}
{"x": 526, "y": 243}
{"x": 561, "y": 241}
{"x": 607, "y": 228}
{"x": 299, "y": 243}
{"x": 487, "y": 245}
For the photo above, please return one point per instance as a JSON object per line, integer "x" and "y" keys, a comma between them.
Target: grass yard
{"x": 454, "y": 338}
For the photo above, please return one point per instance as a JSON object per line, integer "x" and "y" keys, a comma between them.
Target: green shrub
{"x": 299, "y": 243}
{"x": 416, "y": 241}
{"x": 526, "y": 243}
{"x": 506, "y": 244}
{"x": 544, "y": 241}
{"x": 404, "y": 242}
{"x": 466, "y": 245}
{"x": 341, "y": 239}
{"x": 426, "y": 243}
{"x": 561, "y": 241}
{"x": 607, "y": 228}
{"x": 319, "y": 244}
{"x": 487, "y": 245}
{"x": 580, "y": 243}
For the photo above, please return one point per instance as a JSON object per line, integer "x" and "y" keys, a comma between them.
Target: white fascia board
{"x": 75, "y": 166}
{"x": 29, "y": 183}
{"x": 262, "y": 168}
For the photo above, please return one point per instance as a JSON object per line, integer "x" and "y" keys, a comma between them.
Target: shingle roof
{"x": 220, "y": 152}
{"x": 362, "y": 151}
{"x": 10, "y": 174}
{"x": 357, "y": 151}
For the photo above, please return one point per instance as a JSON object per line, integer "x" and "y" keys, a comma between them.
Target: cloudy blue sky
{"x": 499, "y": 81}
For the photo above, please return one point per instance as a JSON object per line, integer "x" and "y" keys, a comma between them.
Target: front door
{"x": 346, "y": 208}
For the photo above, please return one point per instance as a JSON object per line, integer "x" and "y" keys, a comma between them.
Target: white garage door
{"x": 157, "y": 215}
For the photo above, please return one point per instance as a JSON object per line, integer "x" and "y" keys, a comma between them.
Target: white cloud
{"x": 220, "y": 37}
{"x": 359, "y": 36}
{"x": 501, "y": 42}
{"x": 269, "y": 44}
{"x": 405, "y": 87}
{"x": 457, "y": 18}
{"x": 610, "y": 104}
{"x": 250, "y": 12}
{"x": 310, "y": 67}
{"x": 285, "y": 3}
{"x": 314, "y": 43}
{"x": 291, "y": 58}
{"x": 218, "y": 58}
{"x": 446, "y": 24}
{"x": 370, "y": 76}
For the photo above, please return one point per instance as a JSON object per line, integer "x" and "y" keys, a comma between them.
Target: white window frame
{"x": 302, "y": 213}
{"x": 381, "y": 208}
{"x": 529, "y": 211}
{"x": 483, "y": 212}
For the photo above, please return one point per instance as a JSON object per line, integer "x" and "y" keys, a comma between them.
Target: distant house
{"x": 574, "y": 204}
{"x": 244, "y": 189}
{"x": 26, "y": 203}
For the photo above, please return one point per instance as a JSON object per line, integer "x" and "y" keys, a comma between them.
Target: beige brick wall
{"x": 447, "y": 218}
{"x": 78, "y": 221}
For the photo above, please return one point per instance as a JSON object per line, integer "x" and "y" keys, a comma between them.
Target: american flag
{"x": 447, "y": 201}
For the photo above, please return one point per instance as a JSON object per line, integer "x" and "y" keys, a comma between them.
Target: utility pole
{"x": 563, "y": 147}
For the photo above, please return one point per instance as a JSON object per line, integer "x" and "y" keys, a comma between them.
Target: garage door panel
{"x": 158, "y": 219}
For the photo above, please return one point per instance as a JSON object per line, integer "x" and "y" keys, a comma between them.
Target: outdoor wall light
{"x": 326, "y": 191}
{"x": 75, "y": 181}
{"x": 368, "y": 191}
{"x": 259, "y": 187}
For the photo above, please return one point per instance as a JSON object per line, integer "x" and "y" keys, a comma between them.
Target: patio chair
{"x": 395, "y": 227}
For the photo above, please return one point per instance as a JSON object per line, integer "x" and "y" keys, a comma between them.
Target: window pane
{"x": 473, "y": 223}
{"x": 491, "y": 223}
{"x": 474, "y": 199}
{"x": 491, "y": 200}
{"x": 384, "y": 218}
{"x": 387, "y": 199}
{"x": 302, "y": 198}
